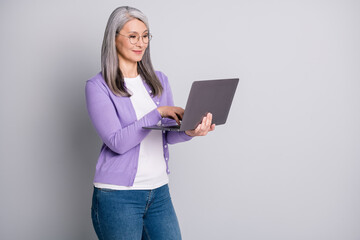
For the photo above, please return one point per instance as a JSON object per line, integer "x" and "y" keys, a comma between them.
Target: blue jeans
{"x": 134, "y": 214}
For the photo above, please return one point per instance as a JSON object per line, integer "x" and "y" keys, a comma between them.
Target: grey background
{"x": 286, "y": 164}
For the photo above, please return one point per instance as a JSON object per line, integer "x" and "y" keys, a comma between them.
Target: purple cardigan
{"x": 115, "y": 121}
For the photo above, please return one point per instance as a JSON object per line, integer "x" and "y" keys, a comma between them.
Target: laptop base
{"x": 175, "y": 128}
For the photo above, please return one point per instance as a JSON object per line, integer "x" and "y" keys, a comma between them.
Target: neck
{"x": 128, "y": 69}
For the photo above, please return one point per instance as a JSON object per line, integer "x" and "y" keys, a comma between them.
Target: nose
{"x": 140, "y": 42}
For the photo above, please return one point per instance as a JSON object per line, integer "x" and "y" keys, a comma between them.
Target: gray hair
{"x": 109, "y": 58}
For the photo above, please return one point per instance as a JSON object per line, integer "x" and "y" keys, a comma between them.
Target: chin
{"x": 138, "y": 59}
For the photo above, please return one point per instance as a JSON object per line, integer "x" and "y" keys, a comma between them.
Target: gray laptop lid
{"x": 214, "y": 96}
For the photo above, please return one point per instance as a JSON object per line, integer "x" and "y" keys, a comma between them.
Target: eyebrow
{"x": 137, "y": 32}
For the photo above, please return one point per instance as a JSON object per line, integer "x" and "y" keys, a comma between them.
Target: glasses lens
{"x": 134, "y": 38}
{"x": 146, "y": 38}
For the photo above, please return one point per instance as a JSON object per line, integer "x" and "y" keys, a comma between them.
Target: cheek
{"x": 121, "y": 46}
{"x": 118, "y": 46}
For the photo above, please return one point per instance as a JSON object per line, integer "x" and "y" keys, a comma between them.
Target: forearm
{"x": 105, "y": 118}
{"x": 124, "y": 139}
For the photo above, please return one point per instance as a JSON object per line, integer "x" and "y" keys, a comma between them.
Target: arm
{"x": 105, "y": 119}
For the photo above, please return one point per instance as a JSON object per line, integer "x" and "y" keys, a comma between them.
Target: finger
{"x": 175, "y": 117}
{"x": 203, "y": 124}
{"x": 208, "y": 120}
{"x": 198, "y": 128}
{"x": 178, "y": 116}
{"x": 179, "y": 112}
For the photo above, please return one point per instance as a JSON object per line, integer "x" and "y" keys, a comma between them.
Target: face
{"x": 127, "y": 52}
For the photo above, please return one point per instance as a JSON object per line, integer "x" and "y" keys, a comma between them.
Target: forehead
{"x": 134, "y": 25}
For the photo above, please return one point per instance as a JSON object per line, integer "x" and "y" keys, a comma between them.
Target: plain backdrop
{"x": 285, "y": 166}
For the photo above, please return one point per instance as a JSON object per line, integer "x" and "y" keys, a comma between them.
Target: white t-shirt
{"x": 151, "y": 172}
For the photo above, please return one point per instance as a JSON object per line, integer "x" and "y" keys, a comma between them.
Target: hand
{"x": 175, "y": 113}
{"x": 203, "y": 128}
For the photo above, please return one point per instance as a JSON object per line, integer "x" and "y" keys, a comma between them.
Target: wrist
{"x": 160, "y": 112}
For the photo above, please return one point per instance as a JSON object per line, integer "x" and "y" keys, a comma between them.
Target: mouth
{"x": 138, "y": 52}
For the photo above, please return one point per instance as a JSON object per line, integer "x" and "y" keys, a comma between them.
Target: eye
{"x": 145, "y": 36}
{"x": 133, "y": 36}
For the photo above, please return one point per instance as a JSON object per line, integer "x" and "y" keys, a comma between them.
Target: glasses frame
{"x": 138, "y": 38}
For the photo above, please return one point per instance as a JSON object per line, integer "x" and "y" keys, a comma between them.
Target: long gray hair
{"x": 109, "y": 58}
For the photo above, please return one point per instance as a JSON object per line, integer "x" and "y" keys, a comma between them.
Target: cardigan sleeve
{"x": 103, "y": 115}
{"x": 172, "y": 136}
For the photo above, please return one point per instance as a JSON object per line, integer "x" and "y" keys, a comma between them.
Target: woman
{"x": 131, "y": 198}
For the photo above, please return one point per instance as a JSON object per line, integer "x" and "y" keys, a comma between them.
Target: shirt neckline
{"x": 134, "y": 78}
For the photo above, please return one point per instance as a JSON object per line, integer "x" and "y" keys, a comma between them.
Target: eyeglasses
{"x": 135, "y": 37}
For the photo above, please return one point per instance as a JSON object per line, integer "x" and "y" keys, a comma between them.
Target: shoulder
{"x": 97, "y": 85}
{"x": 159, "y": 73}
{"x": 97, "y": 80}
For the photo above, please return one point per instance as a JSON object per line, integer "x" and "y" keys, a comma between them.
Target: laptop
{"x": 214, "y": 96}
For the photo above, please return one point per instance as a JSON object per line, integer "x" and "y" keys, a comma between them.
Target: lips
{"x": 137, "y": 51}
